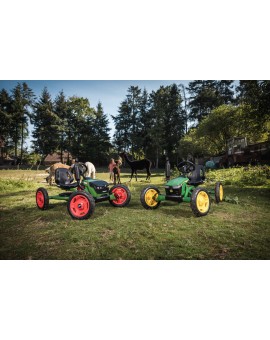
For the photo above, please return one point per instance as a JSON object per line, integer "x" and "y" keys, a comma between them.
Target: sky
{"x": 109, "y": 92}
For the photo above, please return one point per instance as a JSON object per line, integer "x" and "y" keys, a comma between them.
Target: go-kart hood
{"x": 177, "y": 181}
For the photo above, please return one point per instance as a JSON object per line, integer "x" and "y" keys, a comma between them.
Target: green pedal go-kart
{"x": 82, "y": 194}
{"x": 184, "y": 189}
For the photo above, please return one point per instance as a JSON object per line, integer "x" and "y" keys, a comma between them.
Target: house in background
{"x": 56, "y": 158}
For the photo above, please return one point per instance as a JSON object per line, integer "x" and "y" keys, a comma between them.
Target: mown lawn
{"x": 229, "y": 231}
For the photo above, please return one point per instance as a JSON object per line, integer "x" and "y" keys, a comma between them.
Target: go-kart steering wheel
{"x": 186, "y": 167}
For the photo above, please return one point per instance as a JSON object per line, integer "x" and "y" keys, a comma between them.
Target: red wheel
{"x": 81, "y": 205}
{"x": 122, "y": 195}
{"x": 42, "y": 199}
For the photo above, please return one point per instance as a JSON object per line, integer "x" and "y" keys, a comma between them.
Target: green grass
{"x": 229, "y": 231}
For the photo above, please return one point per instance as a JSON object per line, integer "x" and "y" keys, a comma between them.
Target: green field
{"x": 229, "y": 231}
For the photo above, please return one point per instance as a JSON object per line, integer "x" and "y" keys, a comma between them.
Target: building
{"x": 56, "y": 158}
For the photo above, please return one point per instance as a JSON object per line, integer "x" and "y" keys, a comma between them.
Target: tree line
{"x": 58, "y": 125}
{"x": 197, "y": 120}
{"x": 174, "y": 121}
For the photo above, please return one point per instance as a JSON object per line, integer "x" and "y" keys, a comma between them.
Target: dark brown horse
{"x": 138, "y": 165}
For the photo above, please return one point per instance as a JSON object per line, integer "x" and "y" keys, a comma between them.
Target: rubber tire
{"x": 46, "y": 198}
{"x": 91, "y": 202}
{"x": 217, "y": 193}
{"x": 193, "y": 204}
{"x": 124, "y": 204}
{"x": 142, "y": 198}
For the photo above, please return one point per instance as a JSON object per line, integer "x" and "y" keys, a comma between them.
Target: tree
{"x": 224, "y": 123}
{"x": 127, "y": 123}
{"x": 202, "y": 98}
{"x": 101, "y": 144}
{"x": 168, "y": 120}
{"x": 7, "y": 123}
{"x": 81, "y": 117}
{"x": 145, "y": 124}
{"x": 205, "y": 95}
{"x": 22, "y": 101}
{"x": 61, "y": 110}
{"x": 255, "y": 95}
{"x": 122, "y": 138}
{"x": 45, "y": 122}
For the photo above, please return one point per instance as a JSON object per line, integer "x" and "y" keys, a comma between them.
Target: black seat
{"x": 197, "y": 176}
{"x": 64, "y": 179}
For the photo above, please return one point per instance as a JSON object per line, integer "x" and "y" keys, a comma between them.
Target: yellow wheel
{"x": 200, "y": 202}
{"x": 219, "y": 193}
{"x": 149, "y": 196}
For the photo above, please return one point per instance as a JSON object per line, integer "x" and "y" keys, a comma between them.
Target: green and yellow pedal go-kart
{"x": 184, "y": 188}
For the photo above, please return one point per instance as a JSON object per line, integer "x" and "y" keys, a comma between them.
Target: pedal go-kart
{"x": 82, "y": 195}
{"x": 184, "y": 189}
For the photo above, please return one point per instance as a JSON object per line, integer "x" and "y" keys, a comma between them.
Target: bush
{"x": 242, "y": 176}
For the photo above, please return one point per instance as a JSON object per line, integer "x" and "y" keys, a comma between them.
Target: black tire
{"x": 200, "y": 202}
{"x": 147, "y": 195}
{"x": 219, "y": 194}
{"x": 123, "y": 196}
{"x": 42, "y": 198}
{"x": 81, "y": 205}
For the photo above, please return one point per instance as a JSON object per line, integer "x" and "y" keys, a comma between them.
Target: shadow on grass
{"x": 15, "y": 193}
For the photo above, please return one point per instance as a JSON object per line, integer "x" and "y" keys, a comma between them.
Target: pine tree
{"x": 225, "y": 91}
{"x": 22, "y": 100}
{"x": 61, "y": 110}
{"x": 145, "y": 124}
{"x": 7, "y": 124}
{"x": 203, "y": 98}
{"x": 102, "y": 138}
{"x": 45, "y": 122}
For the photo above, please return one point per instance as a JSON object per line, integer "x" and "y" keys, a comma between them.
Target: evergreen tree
{"x": 225, "y": 91}
{"x": 203, "y": 98}
{"x": 100, "y": 144}
{"x": 145, "y": 124}
{"x": 45, "y": 122}
{"x": 22, "y": 100}
{"x": 127, "y": 124}
{"x": 168, "y": 120}
{"x": 174, "y": 120}
{"x": 61, "y": 110}
{"x": 7, "y": 124}
{"x": 122, "y": 139}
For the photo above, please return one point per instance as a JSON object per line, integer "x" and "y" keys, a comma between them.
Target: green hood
{"x": 177, "y": 181}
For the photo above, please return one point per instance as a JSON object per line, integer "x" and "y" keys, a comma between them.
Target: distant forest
{"x": 174, "y": 121}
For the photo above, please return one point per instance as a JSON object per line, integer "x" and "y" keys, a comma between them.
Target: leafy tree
{"x": 213, "y": 132}
{"x": 81, "y": 117}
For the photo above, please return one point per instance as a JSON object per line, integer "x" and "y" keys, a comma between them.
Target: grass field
{"x": 229, "y": 231}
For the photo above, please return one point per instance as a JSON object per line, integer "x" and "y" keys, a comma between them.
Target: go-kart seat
{"x": 197, "y": 176}
{"x": 64, "y": 179}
